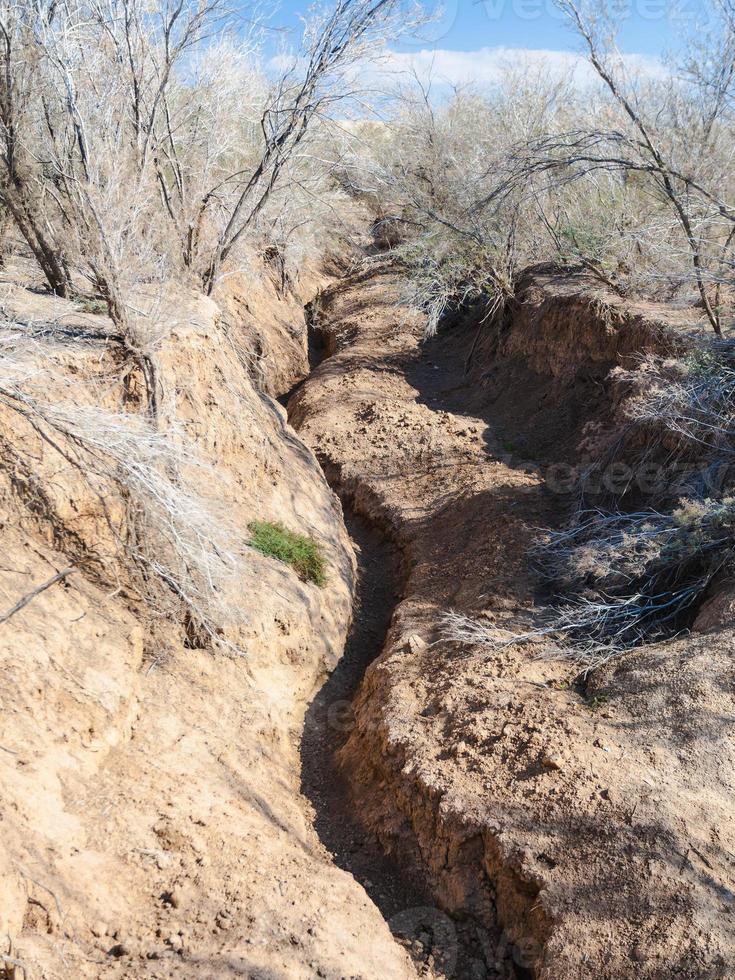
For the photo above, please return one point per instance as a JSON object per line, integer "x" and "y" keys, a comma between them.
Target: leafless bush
{"x": 622, "y": 580}
{"x": 443, "y": 160}
{"x": 141, "y": 144}
{"x": 175, "y": 537}
{"x": 674, "y": 438}
{"x": 629, "y": 176}
{"x": 692, "y": 398}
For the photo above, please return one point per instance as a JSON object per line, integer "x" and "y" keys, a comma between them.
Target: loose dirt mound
{"x": 589, "y": 829}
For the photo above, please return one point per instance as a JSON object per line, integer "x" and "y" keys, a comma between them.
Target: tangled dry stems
{"x": 174, "y": 536}
{"x": 619, "y": 578}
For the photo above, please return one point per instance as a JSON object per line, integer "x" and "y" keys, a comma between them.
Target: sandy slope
{"x": 152, "y": 824}
{"x": 590, "y": 832}
{"x": 153, "y": 815}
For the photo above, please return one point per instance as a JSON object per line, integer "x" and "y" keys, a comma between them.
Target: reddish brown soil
{"x": 589, "y": 831}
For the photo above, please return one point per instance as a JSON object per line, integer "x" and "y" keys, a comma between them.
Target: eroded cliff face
{"x": 152, "y": 823}
{"x": 567, "y": 327}
{"x": 588, "y": 832}
{"x": 152, "y": 809}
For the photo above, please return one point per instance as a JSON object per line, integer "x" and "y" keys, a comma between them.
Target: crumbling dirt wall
{"x": 151, "y": 814}
{"x": 588, "y": 830}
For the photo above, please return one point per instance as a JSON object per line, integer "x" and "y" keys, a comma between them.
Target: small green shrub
{"x": 302, "y": 553}
{"x": 87, "y": 304}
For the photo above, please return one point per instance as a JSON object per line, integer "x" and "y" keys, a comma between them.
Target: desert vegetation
{"x": 652, "y": 524}
{"x": 243, "y": 731}
{"x": 144, "y": 144}
{"x": 148, "y": 143}
{"x": 301, "y": 552}
{"x": 624, "y": 171}
{"x": 625, "y": 175}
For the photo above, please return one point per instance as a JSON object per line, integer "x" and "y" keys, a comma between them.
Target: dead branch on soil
{"x": 173, "y": 535}
{"x": 29, "y": 596}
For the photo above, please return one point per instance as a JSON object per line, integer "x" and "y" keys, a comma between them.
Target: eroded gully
{"x": 441, "y": 947}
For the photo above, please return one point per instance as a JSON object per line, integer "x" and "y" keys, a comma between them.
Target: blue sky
{"x": 470, "y": 25}
{"x": 478, "y": 43}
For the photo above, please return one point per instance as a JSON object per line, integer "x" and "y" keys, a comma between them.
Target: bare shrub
{"x": 629, "y": 175}
{"x": 620, "y": 577}
{"x": 628, "y": 578}
{"x": 174, "y": 536}
{"x": 142, "y": 144}
{"x": 444, "y": 162}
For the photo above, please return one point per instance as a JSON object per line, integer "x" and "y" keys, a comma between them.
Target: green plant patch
{"x": 302, "y": 553}
{"x": 86, "y": 304}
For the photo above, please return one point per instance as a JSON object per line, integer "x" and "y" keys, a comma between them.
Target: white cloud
{"x": 480, "y": 69}
{"x": 487, "y": 66}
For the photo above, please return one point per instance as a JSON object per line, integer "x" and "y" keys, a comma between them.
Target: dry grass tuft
{"x": 618, "y": 578}
{"x": 186, "y": 551}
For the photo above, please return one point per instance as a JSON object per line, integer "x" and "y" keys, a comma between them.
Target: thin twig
{"x": 701, "y": 856}
{"x": 64, "y": 573}
{"x": 15, "y": 964}
{"x": 39, "y": 884}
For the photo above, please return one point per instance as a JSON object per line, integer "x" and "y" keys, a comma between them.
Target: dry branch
{"x": 29, "y": 596}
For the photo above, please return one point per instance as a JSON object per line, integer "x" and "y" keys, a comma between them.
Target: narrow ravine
{"x": 441, "y": 946}
{"x": 393, "y": 888}
{"x": 421, "y": 448}
{"x": 329, "y": 720}
{"x": 530, "y": 810}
